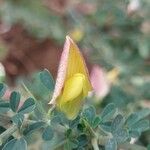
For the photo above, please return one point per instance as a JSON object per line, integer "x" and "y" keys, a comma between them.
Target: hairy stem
{"x": 94, "y": 143}
{"x": 94, "y": 140}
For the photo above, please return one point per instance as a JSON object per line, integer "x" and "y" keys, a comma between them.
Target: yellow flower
{"x": 72, "y": 83}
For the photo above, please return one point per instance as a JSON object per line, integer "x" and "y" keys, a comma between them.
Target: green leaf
{"x": 143, "y": 113}
{"x": 96, "y": 122}
{"x": 141, "y": 126}
{"x": 68, "y": 132}
{"x": 18, "y": 119}
{"x": 47, "y": 79}
{"x": 74, "y": 123}
{"x": 55, "y": 120}
{"x": 28, "y": 106}
{"x": 67, "y": 146}
{"x": 71, "y": 144}
{"x": 82, "y": 140}
{"x": 15, "y": 144}
{"x": 148, "y": 147}
{"x": 2, "y": 89}
{"x": 106, "y": 126}
{"x": 111, "y": 144}
{"x": 89, "y": 114}
{"x": 108, "y": 112}
{"x": 36, "y": 87}
{"x": 81, "y": 127}
{"x": 35, "y": 126}
{"x": 48, "y": 133}
{"x": 59, "y": 118}
{"x": 134, "y": 134}
{"x": 135, "y": 117}
{"x": 121, "y": 135}
{"x": 117, "y": 123}
{"x": 14, "y": 100}
{"x": 4, "y": 106}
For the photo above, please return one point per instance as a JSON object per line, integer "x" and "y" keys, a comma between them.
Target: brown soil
{"x": 27, "y": 54}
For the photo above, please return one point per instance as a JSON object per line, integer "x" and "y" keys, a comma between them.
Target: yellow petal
{"x": 72, "y": 108}
{"x": 71, "y": 99}
{"x": 76, "y": 64}
{"x": 73, "y": 87}
{"x": 71, "y": 62}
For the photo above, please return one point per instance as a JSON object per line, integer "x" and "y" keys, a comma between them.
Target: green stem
{"x": 95, "y": 144}
{"x": 6, "y": 134}
{"x": 50, "y": 111}
{"x": 94, "y": 140}
{"x": 4, "y": 120}
{"x": 27, "y": 90}
{"x": 89, "y": 128}
{"x": 52, "y": 107}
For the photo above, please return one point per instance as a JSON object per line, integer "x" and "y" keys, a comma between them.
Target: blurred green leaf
{"x": 28, "y": 106}
{"x": 37, "y": 88}
{"x": 68, "y": 133}
{"x": 134, "y": 134}
{"x": 14, "y": 100}
{"x": 39, "y": 111}
{"x": 143, "y": 113}
{"x": 141, "y": 126}
{"x": 121, "y": 135}
{"x": 81, "y": 127}
{"x": 71, "y": 144}
{"x": 119, "y": 97}
{"x": 74, "y": 123}
{"x": 111, "y": 144}
{"x": 48, "y": 133}
{"x": 55, "y": 120}
{"x": 135, "y": 117}
{"x": 47, "y": 79}
{"x": 2, "y": 129}
{"x": 96, "y": 121}
{"x": 82, "y": 140}
{"x": 106, "y": 126}
{"x": 4, "y": 106}
{"x": 148, "y": 147}
{"x": 16, "y": 144}
{"x": 32, "y": 127}
{"x": 89, "y": 114}
{"x": 117, "y": 123}
{"x": 108, "y": 112}
{"x": 2, "y": 89}
{"x": 18, "y": 119}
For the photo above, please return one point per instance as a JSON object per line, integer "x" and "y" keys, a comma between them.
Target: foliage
{"x": 117, "y": 40}
{"x": 109, "y": 127}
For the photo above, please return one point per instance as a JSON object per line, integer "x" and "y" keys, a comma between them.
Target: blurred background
{"x": 114, "y": 36}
